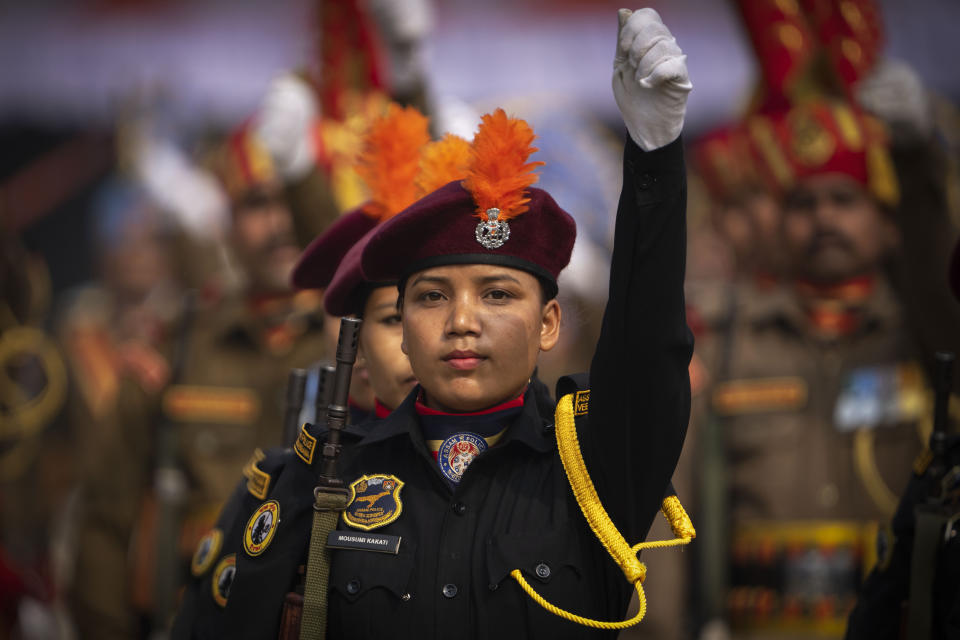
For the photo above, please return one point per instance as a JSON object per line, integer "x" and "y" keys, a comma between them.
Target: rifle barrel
{"x": 325, "y": 377}
{"x": 296, "y": 390}
{"x": 337, "y": 409}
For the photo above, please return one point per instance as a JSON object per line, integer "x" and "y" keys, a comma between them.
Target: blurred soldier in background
{"x": 817, "y": 393}
{"x": 113, "y": 328}
{"x": 816, "y": 451}
{"x": 229, "y": 358}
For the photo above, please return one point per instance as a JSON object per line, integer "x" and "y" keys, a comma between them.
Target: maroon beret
{"x": 347, "y": 292}
{"x": 442, "y": 228}
{"x": 955, "y": 271}
{"x": 320, "y": 259}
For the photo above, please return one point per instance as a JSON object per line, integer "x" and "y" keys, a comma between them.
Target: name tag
{"x": 363, "y": 541}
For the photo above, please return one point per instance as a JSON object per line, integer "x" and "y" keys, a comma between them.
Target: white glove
{"x": 405, "y": 25}
{"x": 403, "y": 20}
{"x": 284, "y": 125}
{"x": 650, "y": 79}
{"x": 895, "y": 93}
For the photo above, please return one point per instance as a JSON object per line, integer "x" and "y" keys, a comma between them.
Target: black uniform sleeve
{"x": 640, "y": 387}
{"x": 200, "y": 616}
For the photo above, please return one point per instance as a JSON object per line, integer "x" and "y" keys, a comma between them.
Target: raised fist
{"x": 650, "y": 79}
{"x": 284, "y": 123}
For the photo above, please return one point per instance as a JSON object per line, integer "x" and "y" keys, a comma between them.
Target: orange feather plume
{"x": 499, "y": 172}
{"x": 443, "y": 161}
{"x": 391, "y": 159}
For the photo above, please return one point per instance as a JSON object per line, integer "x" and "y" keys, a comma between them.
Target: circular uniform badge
{"x": 457, "y": 452}
{"x": 223, "y": 577}
{"x": 261, "y": 528}
{"x": 206, "y": 552}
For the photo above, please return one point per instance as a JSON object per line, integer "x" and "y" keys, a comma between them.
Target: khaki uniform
{"x": 819, "y": 435}
{"x": 100, "y": 355}
{"x": 227, "y": 401}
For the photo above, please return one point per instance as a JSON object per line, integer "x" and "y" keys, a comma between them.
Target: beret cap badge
{"x": 493, "y": 233}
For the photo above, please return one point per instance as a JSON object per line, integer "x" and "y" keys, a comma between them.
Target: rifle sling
{"x": 327, "y": 508}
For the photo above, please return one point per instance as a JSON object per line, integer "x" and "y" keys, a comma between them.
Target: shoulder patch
{"x": 195, "y": 403}
{"x": 305, "y": 445}
{"x": 258, "y": 480}
{"x": 759, "y": 395}
{"x": 581, "y": 403}
{"x": 222, "y": 579}
{"x": 206, "y": 553}
{"x": 261, "y": 528}
{"x": 374, "y": 501}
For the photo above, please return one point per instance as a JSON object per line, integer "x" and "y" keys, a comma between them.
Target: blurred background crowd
{"x": 163, "y": 163}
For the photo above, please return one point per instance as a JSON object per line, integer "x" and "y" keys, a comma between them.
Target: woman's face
{"x": 388, "y": 368}
{"x": 473, "y": 333}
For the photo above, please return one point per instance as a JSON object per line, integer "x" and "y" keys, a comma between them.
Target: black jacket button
{"x": 449, "y": 590}
{"x": 459, "y": 508}
{"x": 353, "y": 587}
{"x": 645, "y": 181}
{"x": 543, "y": 571}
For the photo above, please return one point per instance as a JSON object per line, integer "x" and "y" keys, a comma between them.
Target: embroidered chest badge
{"x": 457, "y": 452}
{"x": 374, "y": 501}
{"x": 261, "y": 527}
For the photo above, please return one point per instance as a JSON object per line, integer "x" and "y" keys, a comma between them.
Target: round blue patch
{"x": 457, "y": 452}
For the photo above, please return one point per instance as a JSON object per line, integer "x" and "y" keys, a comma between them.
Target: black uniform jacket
{"x": 513, "y": 508}
{"x": 880, "y": 613}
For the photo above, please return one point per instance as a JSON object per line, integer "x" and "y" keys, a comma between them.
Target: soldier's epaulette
{"x": 579, "y": 385}
{"x": 311, "y": 438}
{"x": 262, "y": 469}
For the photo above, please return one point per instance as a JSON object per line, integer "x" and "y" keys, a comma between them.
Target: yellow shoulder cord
{"x": 599, "y": 521}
